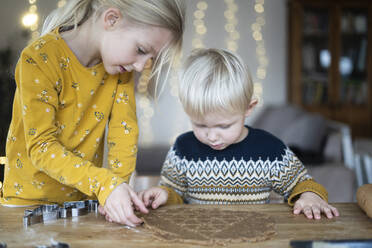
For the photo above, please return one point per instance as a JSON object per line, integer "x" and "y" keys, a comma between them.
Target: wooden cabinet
{"x": 330, "y": 60}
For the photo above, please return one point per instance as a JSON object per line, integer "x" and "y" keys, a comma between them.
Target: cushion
{"x": 274, "y": 118}
{"x": 306, "y": 133}
{"x": 150, "y": 159}
{"x": 339, "y": 181}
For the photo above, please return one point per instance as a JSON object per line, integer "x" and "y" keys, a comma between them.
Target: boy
{"x": 223, "y": 161}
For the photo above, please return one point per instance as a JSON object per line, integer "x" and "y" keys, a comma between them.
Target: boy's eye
{"x": 225, "y": 126}
{"x": 199, "y": 125}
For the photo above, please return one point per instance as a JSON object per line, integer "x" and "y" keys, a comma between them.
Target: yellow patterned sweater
{"x": 55, "y": 140}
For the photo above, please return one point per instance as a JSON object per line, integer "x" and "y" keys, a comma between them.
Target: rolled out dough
{"x": 209, "y": 226}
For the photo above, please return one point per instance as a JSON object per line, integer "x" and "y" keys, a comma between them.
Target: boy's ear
{"x": 250, "y": 107}
{"x": 111, "y": 18}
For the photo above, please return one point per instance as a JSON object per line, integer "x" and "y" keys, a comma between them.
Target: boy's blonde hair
{"x": 214, "y": 80}
{"x": 168, "y": 14}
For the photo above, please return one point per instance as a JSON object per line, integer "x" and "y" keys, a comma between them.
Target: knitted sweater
{"x": 243, "y": 173}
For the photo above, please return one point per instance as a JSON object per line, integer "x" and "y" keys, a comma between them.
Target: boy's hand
{"x": 154, "y": 197}
{"x": 119, "y": 206}
{"x": 313, "y": 205}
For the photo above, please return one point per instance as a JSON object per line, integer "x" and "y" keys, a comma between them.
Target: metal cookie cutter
{"x": 78, "y": 208}
{"x": 54, "y": 244}
{"x": 45, "y": 213}
{"x": 41, "y": 214}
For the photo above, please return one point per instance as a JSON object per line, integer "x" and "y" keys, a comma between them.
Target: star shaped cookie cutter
{"x": 50, "y": 212}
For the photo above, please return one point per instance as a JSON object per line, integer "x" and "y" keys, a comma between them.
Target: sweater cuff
{"x": 173, "y": 197}
{"x": 307, "y": 186}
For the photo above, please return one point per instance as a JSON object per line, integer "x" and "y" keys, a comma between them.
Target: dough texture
{"x": 209, "y": 226}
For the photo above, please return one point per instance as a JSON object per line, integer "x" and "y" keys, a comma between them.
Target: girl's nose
{"x": 140, "y": 64}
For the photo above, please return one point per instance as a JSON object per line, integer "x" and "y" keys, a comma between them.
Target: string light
{"x": 61, "y": 3}
{"x": 30, "y": 20}
{"x": 144, "y": 103}
{"x": 200, "y": 31}
{"x": 230, "y": 26}
{"x": 262, "y": 59}
{"x": 199, "y": 24}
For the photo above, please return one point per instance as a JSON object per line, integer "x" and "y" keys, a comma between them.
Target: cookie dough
{"x": 209, "y": 226}
{"x": 364, "y": 198}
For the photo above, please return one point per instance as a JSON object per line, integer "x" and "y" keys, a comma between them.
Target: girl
{"x": 71, "y": 82}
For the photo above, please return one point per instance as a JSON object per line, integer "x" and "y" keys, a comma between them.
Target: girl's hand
{"x": 101, "y": 210}
{"x": 313, "y": 205}
{"x": 119, "y": 206}
{"x": 154, "y": 197}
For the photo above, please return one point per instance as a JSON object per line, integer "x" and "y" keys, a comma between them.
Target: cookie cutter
{"x": 78, "y": 208}
{"x": 41, "y": 214}
{"x": 50, "y": 212}
{"x": 55, "y": 245}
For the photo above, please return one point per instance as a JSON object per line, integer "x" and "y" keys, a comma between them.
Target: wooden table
{"x": 93, "y": 231}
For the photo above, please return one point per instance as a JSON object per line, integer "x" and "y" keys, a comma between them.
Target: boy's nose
{"x": 212, "y": 136}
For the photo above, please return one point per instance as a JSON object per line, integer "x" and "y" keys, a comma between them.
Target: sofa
{"x": 324, "y": 146}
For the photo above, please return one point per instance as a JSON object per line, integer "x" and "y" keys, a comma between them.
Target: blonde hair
{"x": 168, "y": 14}
{"x": 214, "y": 80}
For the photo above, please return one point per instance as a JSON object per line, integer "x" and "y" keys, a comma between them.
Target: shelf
{"x": 330, "y": 50}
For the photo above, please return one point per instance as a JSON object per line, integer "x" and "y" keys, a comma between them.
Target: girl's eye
{"x": 140, "y": 51}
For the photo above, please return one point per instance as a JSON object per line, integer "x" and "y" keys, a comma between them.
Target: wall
{"x": 169, "y": 120}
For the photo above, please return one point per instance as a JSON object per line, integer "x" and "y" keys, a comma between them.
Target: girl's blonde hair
{"x": 214, "y": 80}
{"x": 168, "y": 14}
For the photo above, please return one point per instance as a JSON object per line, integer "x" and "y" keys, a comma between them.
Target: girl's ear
{"x": 111, "y": 18}
{"x": 250, "y": 107}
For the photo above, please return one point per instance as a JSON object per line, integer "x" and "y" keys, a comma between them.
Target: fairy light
{"x": 260, "y": 49}
{"x": 199, "y": 24}
{"x": 145, "y": 104}
{"x": 230, "y": 26}
{"x": 61, "y": 3}
{"x": 30, "y": 20}
{"x": 200, "y": 30}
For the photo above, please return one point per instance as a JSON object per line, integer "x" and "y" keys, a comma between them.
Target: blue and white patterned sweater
{"x": 242, "y": 173}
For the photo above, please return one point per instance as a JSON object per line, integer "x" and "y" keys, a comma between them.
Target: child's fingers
{"x": 316, "y": 212}
{"x": 330, "y": 211}
{"x": 307, "y": 212}
{"x": 160, "y": 199}
{"x": 138, "y": 203}
{"x": 148, "y": 198}
{"x": 140, "y": 195}
{"x": 101, "y": 210}
{"x": 108, "y": 218}
{"x": 297, "y": 209}
{"x": 335, "y": 211}
{"x": 157, "y": 202}
{"x": 145, "y": 198}
{"x": 130, "y": 218}
{"x": 327, "y": 212}
{"x": 116, "y": 215}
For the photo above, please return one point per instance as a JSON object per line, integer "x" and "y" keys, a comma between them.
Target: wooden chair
{"x": 363, "y": 160}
